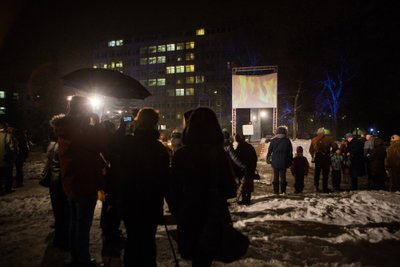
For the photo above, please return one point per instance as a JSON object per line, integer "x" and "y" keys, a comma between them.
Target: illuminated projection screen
{"x": 255, "y": 91}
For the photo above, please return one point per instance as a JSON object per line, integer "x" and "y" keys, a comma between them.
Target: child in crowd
{"x": 299, "y": 169}
{"x": 336, "y": 165}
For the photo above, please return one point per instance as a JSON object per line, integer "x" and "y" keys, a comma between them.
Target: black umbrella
{"x": 106, "y": 82}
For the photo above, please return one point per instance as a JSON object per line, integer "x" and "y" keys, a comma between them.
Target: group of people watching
{"x": 137, "y": 174}
{"x": 14, "y": 150}
{"x": 355, "y": 158}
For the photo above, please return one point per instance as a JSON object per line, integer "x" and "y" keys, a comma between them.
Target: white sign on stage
{"x": 248, "y": 129}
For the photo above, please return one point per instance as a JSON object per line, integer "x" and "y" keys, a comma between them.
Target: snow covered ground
{"x": 339, "y": 229}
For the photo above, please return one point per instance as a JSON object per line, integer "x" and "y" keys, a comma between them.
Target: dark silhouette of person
{"x": 248, "y": 155}
{"x": 23, "y": 152}
{"x": 110, "y": 220}
{"x": 299, "y": 169}
{"x": 202, "y": 181}
{"x": 144, "y": 184}
{"x": 355, "y": 151}
{"x": 321, "y": 148}
{"x": 59, "y": 200}
{"x": 81, "y": 140}
{"x": 280, "y": 154}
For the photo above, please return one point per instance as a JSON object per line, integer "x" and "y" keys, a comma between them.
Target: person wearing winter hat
{"x": 321, "y": 148}
{"x": 299, "y": 169}
{"x": 280, "y": 154}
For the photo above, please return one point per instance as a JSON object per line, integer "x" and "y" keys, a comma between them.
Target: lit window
{"x": 152, "y": 82}
{"x": 170, "y": 47}
{"x": 179, "y": 81}
{"x": 179, "y": 116}
{"x": 161, "y": 59}
{"x": 189, "y": 91}
{"x": 190, "y": 79}
{"x": 180, "y": 46}
{"x": 170, "y": 70}
{"x": 171, "y": 92}
{"x": 163, "y": 127}
{"x": 180, "y": 69}
{"x": 105, "y": 66}
{"x": 143, "y": 61}
{"x": 200, "y": 31}
{"x": 161, "y": 48}
{"x": 143, "y": 50}
{"x": 180, "y": 92}
{"x": 94, "y": 66}
{"x": 190, "y": 45}
{"x": 189, "y": 56}
{"x": 189, "y": 68}
{"x": 2, "y": 110}
{"x": 119, "y": 42}
{"x": 199, "y": 79}
{"x": 2, "y": 94}
{"x": 111, "y": 43}
{"x": 143, "y": 82}
{"x": 152, "y": 60}
{"x": 119, "y": 64}
{"x": 152, "y": 49}
{"x": 112, "y": 65}
{"x": 161, "y": 82}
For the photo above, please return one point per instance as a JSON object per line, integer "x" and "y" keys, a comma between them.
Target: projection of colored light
{"x": 254, "y": 91}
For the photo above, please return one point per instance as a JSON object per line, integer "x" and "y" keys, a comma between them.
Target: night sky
{"x": 304, "y": 38}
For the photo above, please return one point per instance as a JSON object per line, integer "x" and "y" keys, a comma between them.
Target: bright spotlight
{"x": 69, "y": 98}
{"x": 263, "y": 114}
{"x": 254, "y": 118}
{"x": 96, "y": 102}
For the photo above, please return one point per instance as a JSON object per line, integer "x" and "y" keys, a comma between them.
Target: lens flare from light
{"x": 96, "y": 102}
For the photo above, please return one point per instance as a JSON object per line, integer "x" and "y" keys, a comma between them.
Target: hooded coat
{"x": 281, "y": 151}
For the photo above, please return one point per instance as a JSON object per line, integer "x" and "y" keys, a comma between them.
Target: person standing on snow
{"x": 248, "y": 155}
{"x": 321, "y": 149}
{"x": 80, "y": 142}
{"x": 392, "y": 163}
{"x": 355, "y": 151}
{"x": 201, "y": 182}
{"x": 280, "y": 155}
{"x": 299, "y": 170}
{"x": 143, "y": 187}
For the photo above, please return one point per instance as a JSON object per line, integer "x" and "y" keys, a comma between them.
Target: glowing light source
{"x": 69, "y": 98}
{"x": 254, "y": 118}
{"x": 263, "y": 114}
{"x": 96, "y": 102}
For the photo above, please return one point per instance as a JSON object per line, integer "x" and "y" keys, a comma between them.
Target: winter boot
{"x": 283, "y": 187}
{"x": 276, "y": 187}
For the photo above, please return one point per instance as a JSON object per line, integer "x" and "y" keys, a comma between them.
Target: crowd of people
{"x": 355, "y": 157}
{"x": 135, "y": 174}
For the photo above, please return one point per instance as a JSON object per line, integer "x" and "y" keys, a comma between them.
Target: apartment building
{"x": 182, "y": 70}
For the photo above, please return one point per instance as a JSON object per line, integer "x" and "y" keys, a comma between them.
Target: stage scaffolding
{"x": 256, "y": 70}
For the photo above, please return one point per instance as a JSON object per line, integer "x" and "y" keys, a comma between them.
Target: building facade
{"x": 181, "y": 70}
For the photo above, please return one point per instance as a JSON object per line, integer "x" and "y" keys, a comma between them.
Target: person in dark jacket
{"x": 299, "y": 169}
{"x": 280, "y": 154}
{"x": 202, "y": 181}
{"x": 80, "y": 142}
{"x": 237, "y": 165}
{"x": 144, "y": 181}
{"x": 377, "y": 164}
{"x": 248, "y": 155}
{"x": 23, "y": 151}
{"x": 355, "y": 151}
{"x": 321, "y": 149}
{"x": 59, "y": 201}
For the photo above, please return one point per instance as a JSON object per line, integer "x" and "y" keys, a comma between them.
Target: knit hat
{"x": 299, "y": 149}
{"x": 395, "y": 137}
{"x": 349, "y": 135}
